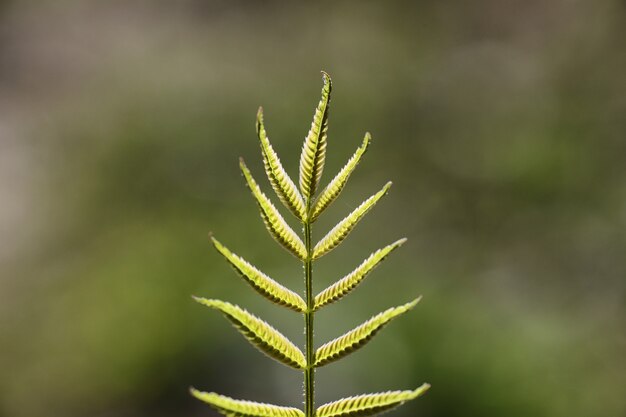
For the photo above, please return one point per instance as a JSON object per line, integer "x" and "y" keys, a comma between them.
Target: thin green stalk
{"x": 309, "y": 371}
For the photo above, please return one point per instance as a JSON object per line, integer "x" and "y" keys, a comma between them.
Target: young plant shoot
{"x": 306, "y": 203}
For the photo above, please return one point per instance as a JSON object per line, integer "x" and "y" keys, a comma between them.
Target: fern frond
{"x": 354, "y": 278}
{"x": 275, "y": 223}
{"x": 369, "y": 404}
{"x": 241, "y": 408}
{"x": 356, "y": 338}
{"x": 267, "y": 339}
{"x": 307, "y": 200}
{"x": 314, "y": 148}
{"x": 333, "y": 189}
{"x": 341, "y": 230}
{"x": 263, "y": 284}
{"x": 280, "y": 180}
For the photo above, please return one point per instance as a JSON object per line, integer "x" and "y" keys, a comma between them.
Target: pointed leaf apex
{"x": 326, "y": 77}
{"x": 328, "y": 82}
{"x": 259, "y": 119}
{"x": 422, "y": 389}
{"x": 413, "y": 303}
{"x": 281, "y": 182}
{"x": 242, "y": 408}
{"x": 216, "y": 243}
{"x": 314, "y": 148}
{"x": 274, "y": 221}
{"x": 198, "y": 299}
{"x": 368, "y": 404}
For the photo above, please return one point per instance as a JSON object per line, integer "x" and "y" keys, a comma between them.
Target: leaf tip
{"x": 326, "y": 78}
{"x": 216, "y": 243}
{"x": 206, "y": 301}
{"x": 421, "y": 389}
{"x": 244, "y": 167}
{"x": 259, "y": 120}
{"x": 413, "y": 303}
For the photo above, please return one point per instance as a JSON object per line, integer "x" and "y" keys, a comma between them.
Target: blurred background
{"x": 501, "y": 123}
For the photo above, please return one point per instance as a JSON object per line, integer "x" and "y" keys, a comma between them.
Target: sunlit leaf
{"x": 314, "y": 148}
{"x": 333, "y": 189}
{"x": 369, "y": 404}
{"x": 354, "y": 278}
{"x": 241, "y": 408}
{"x": 358, "y": 337}
{"x": 275, "y": 223}
{"x": 345, "y": 226}
{"x": 265, "y": 285}
{"x": 280, "y": 180}
{"x": 267, "y": 339}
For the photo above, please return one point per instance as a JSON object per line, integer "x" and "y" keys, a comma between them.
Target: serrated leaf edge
{"x": 369, "y": 404}
{"x": 274, "y": 221}
{"x": 338, "y": 233}
{"x": 282, "y": 183}
{"x": 348, "y": 283}
{"x": 314, "y": 149}
{"x": 263, "y": 284}
{"x": 259, "y": 333}
{"x": 336, "y": 185}
{"x": 229, "y": 406}
{"x": 359, "y": 336}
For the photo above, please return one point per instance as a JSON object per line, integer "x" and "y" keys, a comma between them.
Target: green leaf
{"x": 354, "y": 278}
{"x": 333, "y": 189}
{"x": 275, "y": 223}
{"x": 314, "y": 148}
{"x": 280, "y": 180}
{"x": 345, "y": 226}
{"x": 358, "y": 337}
{"x": 267, "y": 339}
{"x": 263, "y": 284}
{"x": 369, "y": 404}
{"x": 240, "y": 408}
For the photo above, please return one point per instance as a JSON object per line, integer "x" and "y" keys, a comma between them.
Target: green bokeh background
{"x": 501, "y": 123}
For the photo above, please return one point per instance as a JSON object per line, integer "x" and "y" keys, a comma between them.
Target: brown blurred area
{"x": 501, "y": 123}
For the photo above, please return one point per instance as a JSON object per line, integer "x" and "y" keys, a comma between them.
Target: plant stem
{"x": 309, "y": 371}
